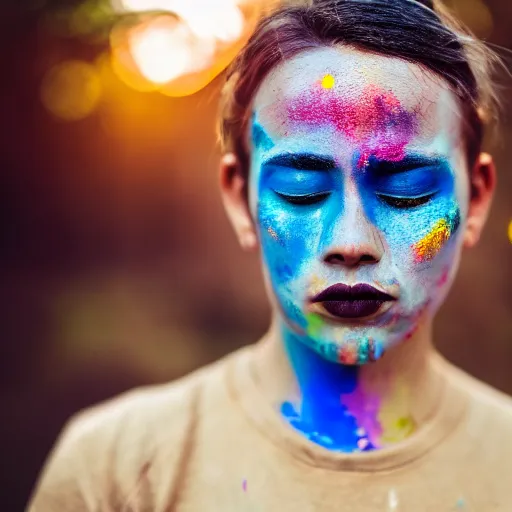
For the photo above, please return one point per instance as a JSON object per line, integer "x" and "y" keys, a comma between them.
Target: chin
{"x": 354, "y": 350}
{"x": 355, "y": 343}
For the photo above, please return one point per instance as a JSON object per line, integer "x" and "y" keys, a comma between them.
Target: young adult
{"x": 351, "y": 133}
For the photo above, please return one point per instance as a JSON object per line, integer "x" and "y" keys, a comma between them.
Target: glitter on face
{"x": 272, "y": 233}
{"x": 377, "y": 122}
{"x": 266, "y": 223}
{"x": 383, "y": 142}
{"x": 366, "y": 350}
{"x": 328, "y": 82}
{"x": 430, "y": 245}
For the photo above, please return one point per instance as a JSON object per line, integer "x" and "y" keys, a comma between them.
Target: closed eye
{"x": 405, "y": 202}
{"x": 304, "y": 199}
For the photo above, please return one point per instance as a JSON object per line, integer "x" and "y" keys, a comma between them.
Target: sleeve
{"x": 126, "y": 454}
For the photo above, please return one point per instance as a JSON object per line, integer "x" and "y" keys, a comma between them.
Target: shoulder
{"x": 109, "y": 455}
{"x": 482, "y": 393}
{"x": 131, "y": 413}
{"x": 488, "y": 408}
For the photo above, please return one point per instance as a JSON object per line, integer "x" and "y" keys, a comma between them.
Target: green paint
{"x": 314, "y": 324}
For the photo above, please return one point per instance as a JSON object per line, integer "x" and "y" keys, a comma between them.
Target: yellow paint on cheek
{"x": 427, "y": 248}
{"x": 328, "y": 82}
{"x": 317, "y": 285}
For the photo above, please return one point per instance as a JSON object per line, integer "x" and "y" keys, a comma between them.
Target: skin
{"x": 358, "y": 174}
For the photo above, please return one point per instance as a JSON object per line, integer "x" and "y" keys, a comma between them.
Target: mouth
{"x": 358, "y": 301}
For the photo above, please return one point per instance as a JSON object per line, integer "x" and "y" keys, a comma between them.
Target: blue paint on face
{"x": 413, "y": 176}
{"x": 312, "y": 196}
{"x": 260, "y": 138}
{"x": 322, "y": 417}
{"x": 293, "y": 194}
{"x": 405, "y": 199}
{"x": 301, "y": 198}
{"x": 293, "y": 184}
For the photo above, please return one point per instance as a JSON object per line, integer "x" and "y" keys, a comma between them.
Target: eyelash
{"x": 306, "y": 199}
{"x": 405, "y": 202}
{"x": 396, "y": 202}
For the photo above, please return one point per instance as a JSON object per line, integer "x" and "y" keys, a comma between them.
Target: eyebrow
{"x": 408, "y": 163}
{"x": 302, "y": 161}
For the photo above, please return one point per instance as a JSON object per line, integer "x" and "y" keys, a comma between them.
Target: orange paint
{"x": 348, "y": 354}
{"x": 430, "y": 245}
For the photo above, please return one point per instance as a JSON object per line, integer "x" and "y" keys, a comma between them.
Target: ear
{"x": 483, "y": 183}
{"x": 233, "y": 186}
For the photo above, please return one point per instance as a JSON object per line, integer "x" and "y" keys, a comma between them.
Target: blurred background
{"x": 112, "y": 230}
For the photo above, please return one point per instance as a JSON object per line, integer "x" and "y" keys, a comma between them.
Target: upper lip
{"x": 358, "y": 292}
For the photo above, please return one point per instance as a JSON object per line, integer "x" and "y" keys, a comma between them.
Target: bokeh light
{"x": 510, "y": 231}
{"x": 176, "y": 46}
{"x": 71, "y": 90}
{"x": 164, "y": 49}
{"x": 219, "y": 19}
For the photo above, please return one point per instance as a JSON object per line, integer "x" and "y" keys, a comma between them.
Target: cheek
{"x": 287, "y": 237}
{"x": 423, "y": 248}
{"x": 431, "y": 244}
{"x": 416, "y": 237}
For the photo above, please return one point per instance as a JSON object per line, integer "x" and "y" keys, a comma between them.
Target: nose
{"x": 355, "y": 240}
{"x": 350, "y": 257}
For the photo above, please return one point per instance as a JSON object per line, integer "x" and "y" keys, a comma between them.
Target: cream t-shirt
{"x": 210, "y": 442}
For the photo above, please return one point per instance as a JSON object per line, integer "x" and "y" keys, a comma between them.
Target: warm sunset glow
{"x": 179, "y": 46}
{"x": 218, "y": 19}
{"x": 221, "y": 20}
{"x": 160, "y": 49}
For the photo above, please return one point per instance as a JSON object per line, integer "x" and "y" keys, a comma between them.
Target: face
{"x": 359, "y": 188}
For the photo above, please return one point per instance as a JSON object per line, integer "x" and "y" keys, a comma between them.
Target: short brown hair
{"x": 420, "y": 31}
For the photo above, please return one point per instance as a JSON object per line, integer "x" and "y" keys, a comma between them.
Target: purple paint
{"x": 355, "y": 301}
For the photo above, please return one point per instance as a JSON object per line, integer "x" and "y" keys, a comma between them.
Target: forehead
{"x": 354, "y": 90}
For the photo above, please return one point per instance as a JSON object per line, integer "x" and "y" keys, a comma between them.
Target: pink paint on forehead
{"x": 377, "y": 121}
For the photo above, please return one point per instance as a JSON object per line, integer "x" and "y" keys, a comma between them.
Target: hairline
{"x": 425, "y": 72}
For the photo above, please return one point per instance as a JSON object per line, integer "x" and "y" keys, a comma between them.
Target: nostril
{"x": 349, "y": 259}
{"x": 334, "y": 259}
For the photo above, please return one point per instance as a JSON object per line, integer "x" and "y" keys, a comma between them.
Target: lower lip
{"x": 352, "y": 308}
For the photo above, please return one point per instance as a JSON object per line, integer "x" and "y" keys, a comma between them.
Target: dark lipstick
{"x": 355, "y": 301}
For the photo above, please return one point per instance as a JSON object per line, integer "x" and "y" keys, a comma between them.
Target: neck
{"x": 349, "y": 408}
